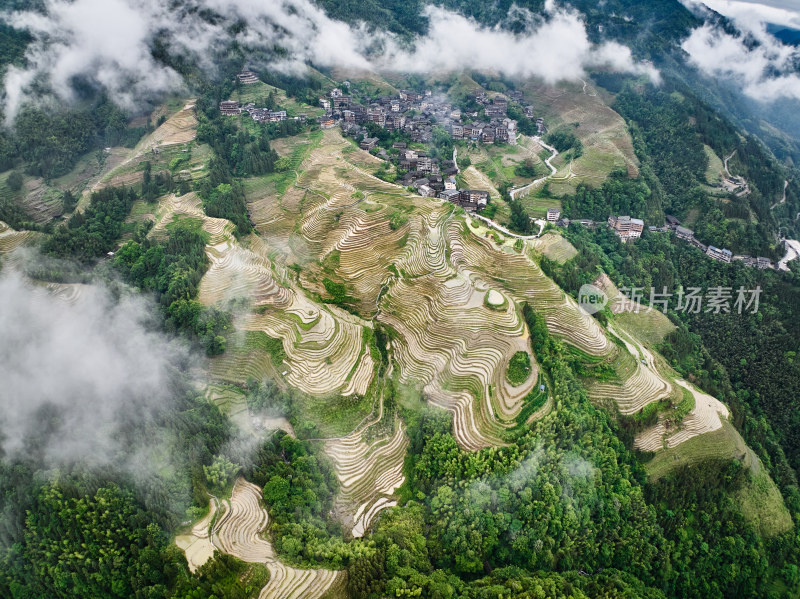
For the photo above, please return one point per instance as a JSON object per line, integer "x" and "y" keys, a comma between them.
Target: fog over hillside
{"x": 107, "y": 42}
{"x": 81, "y": 381}
{"x": 764, "y": 68}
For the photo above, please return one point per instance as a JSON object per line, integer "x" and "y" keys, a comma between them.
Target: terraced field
{"x": 649, "y": 325}
{"x": 641, "y": 381}
{"x": 173, "y": 139}
{"x": 196, "y": 544}
{"x": 240, "y": 532}
{"x": 586, "y": 112}
{"x": 41, "y": 201}
{"x": 369, "y": 473}
{"x": 415, "y": 265}
{"x": 705, "y": 417}
{"x": 11, "y": 239}
{"x": 555, "y": 247}
{"x": 476, "y": 179}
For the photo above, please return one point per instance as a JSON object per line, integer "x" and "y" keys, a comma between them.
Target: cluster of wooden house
{"x": 431, "y": 178}
{"x": 259, "y": 115}
{"x": 415, "y": 114}
{"x": 721, "y": 254}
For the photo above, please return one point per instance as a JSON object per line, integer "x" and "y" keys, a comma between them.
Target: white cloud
{"x": 765, "y": 71}
{"x": 556, "y": 49}
{"x": 106, "y": 41}
{"x": 109, "y": 41}
{"x": 744, "y": 12}
{"x": 76, "y": 375}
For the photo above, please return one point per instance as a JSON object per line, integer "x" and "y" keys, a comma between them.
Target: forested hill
{"x": 653, "y": 29}
{"x": 647, "y": 20}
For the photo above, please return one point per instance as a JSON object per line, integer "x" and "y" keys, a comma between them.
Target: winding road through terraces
{"x": 725, "y": 163}
{"x": 505, "y": 231}
{"x": 553, "y": 170}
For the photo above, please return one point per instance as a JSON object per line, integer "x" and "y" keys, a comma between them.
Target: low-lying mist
{"x": 81, "y": 380}
{"x": 109, "y": 43}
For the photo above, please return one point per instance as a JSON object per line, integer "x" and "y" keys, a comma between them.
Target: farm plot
{"x": 180, "y": 128}
{"x": 520, "y": 276}
{"x": 325, "y": 349}
{"x": 704, "y": 418}
{"x": 241, "y": 272}
{"x": 649, "y": 325}
{"x": 197, "y": 544}
{"x": 369, "y": 473}
{"x": 232, "y": 402}
{"x": 239, "y": 532}
{"x": 555, "y": 247}
{"x": 475, "y": 179}
{"x": 172, "y": 141}
{"x": 722, "y": 443}
{"x": 42, "y": 202}
{"x": 11, "y": 239}
{"x": 320, "y": 351}
{"x": 454, "y": 346}
{"x": 173, "y": 207}
{"x": 458, "y": 349}
{"x": 641, "y": 383}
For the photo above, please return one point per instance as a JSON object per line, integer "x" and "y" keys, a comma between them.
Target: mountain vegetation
{"x": 409, "y": 396}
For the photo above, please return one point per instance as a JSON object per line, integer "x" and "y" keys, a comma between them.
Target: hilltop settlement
{"x": 403, "y": 128}
{"x": 415, "y": 118}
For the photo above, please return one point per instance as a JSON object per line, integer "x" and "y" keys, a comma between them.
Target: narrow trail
{"x": 585, "y": 85}
{"x": 553, "y": 170}
{"x": 725, "y": 163}
{"x": 505, "y": 231}
{"x": 783, "y": 199}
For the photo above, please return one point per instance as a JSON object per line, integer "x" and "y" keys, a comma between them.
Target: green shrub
{"x": 519, "y": 368}
{"x": 14, "y": 181}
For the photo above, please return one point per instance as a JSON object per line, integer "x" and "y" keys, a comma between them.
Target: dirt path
{"x": 505, "y": 231}
{"x": 783, "y": 199}
{"x": 585, "y": 85}
{"x": 553, "y": 170}
{"x": 725, "y": 163}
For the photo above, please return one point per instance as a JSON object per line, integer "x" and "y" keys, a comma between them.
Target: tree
{"x": 14, "y": 181}
{"x": 220, "y": 473}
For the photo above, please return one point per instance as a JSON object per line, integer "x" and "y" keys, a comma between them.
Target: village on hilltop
{"x": 415, "y": 114}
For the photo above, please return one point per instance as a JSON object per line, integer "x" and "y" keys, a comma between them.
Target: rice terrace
{"x": 296, "y": 313}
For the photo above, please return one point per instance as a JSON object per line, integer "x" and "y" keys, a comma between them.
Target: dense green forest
{"x": 669, "y": 131}
{"x": 564, "y": 510}
{"x": 89, "y": 234}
